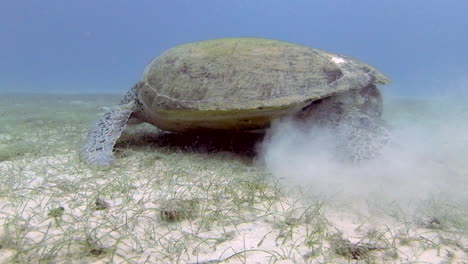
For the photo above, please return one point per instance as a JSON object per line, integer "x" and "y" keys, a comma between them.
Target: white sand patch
{"x": 6, "y": 255}
{"x": 413, "y": 243}
{"x": 78, "y": 102}
{"x": 5, "y": 137}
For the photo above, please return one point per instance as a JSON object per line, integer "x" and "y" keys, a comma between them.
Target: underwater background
{"x": 102, "y": 46}
{"x": 178, "y": 199}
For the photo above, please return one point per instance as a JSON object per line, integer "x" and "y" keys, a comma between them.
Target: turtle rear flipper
{"x": 101, "y": 138}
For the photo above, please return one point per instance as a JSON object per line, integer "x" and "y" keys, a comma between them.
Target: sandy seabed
{"x": 208, "y": 199}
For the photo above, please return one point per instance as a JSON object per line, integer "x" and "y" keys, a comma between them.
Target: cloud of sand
{"x": 428, "y": 154}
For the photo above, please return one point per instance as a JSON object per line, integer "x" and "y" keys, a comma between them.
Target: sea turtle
{"x": 239, "y": 84}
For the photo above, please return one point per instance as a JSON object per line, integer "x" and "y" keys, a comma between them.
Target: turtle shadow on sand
{"x": 243, "y": 144}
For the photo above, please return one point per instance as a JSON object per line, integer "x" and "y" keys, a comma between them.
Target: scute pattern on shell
{"x": 247, "y": 73}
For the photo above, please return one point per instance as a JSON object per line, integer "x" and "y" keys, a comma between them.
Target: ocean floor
{"x": 215, "y": 199}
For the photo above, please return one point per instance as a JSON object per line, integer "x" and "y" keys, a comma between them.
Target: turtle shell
{"x": 216, "y": 84}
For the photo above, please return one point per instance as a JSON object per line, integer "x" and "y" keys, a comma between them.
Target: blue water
{"x": 103, "y": 45}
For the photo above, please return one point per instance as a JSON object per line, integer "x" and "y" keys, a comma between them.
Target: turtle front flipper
{"x": 354, "y": 120}
{"x": 101, "y": 138}
{"x": 363, "y": 137}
